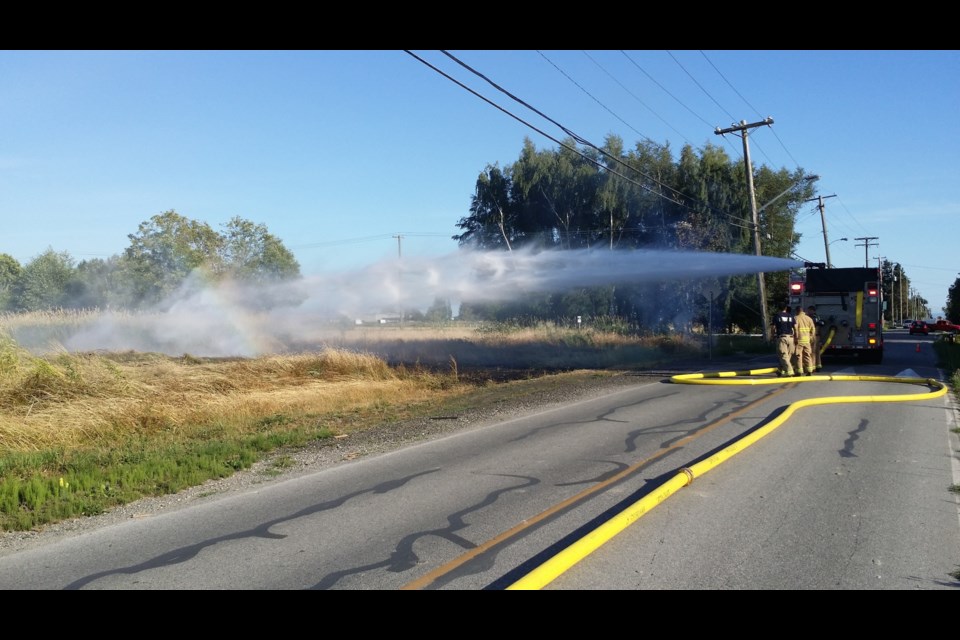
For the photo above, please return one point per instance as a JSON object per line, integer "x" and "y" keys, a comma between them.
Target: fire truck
{"x": 850, "y": 305}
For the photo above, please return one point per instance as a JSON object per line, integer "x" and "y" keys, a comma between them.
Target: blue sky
{"x": 339, "y": 152}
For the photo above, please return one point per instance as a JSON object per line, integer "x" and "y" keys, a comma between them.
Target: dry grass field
{"x": 81, "y": 432}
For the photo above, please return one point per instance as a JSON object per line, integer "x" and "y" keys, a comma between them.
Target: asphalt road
{"x": 843, "y": 496}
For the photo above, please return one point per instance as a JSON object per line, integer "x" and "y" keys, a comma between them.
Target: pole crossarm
{"x": 743, "y": 126}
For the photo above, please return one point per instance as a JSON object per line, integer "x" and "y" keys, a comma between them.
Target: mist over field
{"x": 233, "y": 320}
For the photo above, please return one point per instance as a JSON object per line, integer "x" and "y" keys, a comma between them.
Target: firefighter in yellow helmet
{"x": 806, "y": 330}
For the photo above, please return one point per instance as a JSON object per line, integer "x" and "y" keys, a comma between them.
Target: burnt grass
{"x": 501, "y": 363}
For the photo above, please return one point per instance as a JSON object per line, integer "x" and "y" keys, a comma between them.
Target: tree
{"x": 556, "y": 189}
{"x": 102, "y": 284}
{"x": 439, "y": 311}
{"x": 249, "y": 253}
{"x": 952, "y": 310}
{"x": 491, "y": 213}
{"x": 777, "y": 222}
{"x": 888, "y": 281}
{"x": 45, "y": 282}
{"x": 613, "y": 193}
{"x": 10, "y": 271}
{"x": 650, "y": 195}
{"x": 165, "y": 251}
{"x": 591, "y": 198}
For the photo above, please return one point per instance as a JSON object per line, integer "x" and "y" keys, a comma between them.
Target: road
{"x": 842, "y": 496}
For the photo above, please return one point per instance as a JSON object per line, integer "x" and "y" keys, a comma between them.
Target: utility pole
{"x": 866, "y": 248}
{"x": 880, "y": 260}
{"x": 900, "y": 306}
{"x": 399, "y": 274}
{"x": 744, "y": 128}
{"x": 823, "y": 223}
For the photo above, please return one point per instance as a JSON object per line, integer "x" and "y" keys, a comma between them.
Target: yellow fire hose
{"x": 826, "y": 343}
{"x": 558, "y": 564}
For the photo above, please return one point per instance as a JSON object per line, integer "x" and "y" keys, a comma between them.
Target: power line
{"x": 635, "y": 97}
{"x": 707, "y": 93}
{"x": 592, "y": 97}
{"x": 362, "y": 239}
{"x": 722, "y": 108}
{"x": 678, "y": 100}
{"x": 570, "y": 133}
{"x": 730, "y": 84}
{"x": 578, "y": 139}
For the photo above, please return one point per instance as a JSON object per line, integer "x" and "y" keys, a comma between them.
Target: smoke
{"x": 229, "y": 319}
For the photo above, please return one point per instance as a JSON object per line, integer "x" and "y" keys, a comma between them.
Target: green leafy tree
{"x": 490, "y": 224}
{"x": 613, "y": 194}
{"x": 900, "y": 288}
{"x": 611, "y": 198}
{"x": 556, "y": 189}
{"x": 250, "y": 253}
{"x": 952, "y": 310}
{"x": 653, "y": 203}
{"x": 10, "y": 271}
{"x": 165, "y": 250}
{"x": 101, "y": 283}
{"x": 45, "y": 282}
{"x": 888, "y": 281}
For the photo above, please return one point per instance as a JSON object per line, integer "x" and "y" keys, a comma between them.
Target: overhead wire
{"x": 362, "y": 239}
{"x": 535, "y": 128}
{"x": 746, "y": 102}
{"x": 736, "y": 221}
{"x": 635, "y": 97}
{"x": 707, "y": 93}
{"x": 710, "y": 125}
{"x": 836, "y": 220}
{"x": 801, "y": 219}
{"x": 594, "y": 98}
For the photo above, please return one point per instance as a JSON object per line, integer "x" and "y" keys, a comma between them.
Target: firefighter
{"x": 806, "y": 330}
{"x": 785, "y": 328}
{"x": 817, "y": 337}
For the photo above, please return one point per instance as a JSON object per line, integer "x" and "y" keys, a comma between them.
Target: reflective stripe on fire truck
{"x": 859, "y": 310}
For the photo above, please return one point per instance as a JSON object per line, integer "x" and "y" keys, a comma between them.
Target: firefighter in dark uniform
{"x": 785, "y": 329}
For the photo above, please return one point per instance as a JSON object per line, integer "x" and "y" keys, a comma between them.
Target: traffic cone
{"x": 918, "y": 347}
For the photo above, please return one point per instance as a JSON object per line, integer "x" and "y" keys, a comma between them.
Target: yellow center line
{"x": 442, "y": 570}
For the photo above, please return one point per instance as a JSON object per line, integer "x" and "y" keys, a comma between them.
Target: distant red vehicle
{"x": 919, "y": 326}
{"x": 943, "y": 325}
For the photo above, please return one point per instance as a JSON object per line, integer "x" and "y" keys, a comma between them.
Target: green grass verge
{"x": 50, "y": 486}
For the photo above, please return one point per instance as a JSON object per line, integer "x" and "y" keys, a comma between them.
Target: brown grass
{"x": 72, "y": 401}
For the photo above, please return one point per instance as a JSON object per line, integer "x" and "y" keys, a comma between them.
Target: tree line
{"x": 572, "y": 197}
{"x": 625, "y": 199}
{"x": 619, "y": 198}
{"x": 165, "y": 251}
